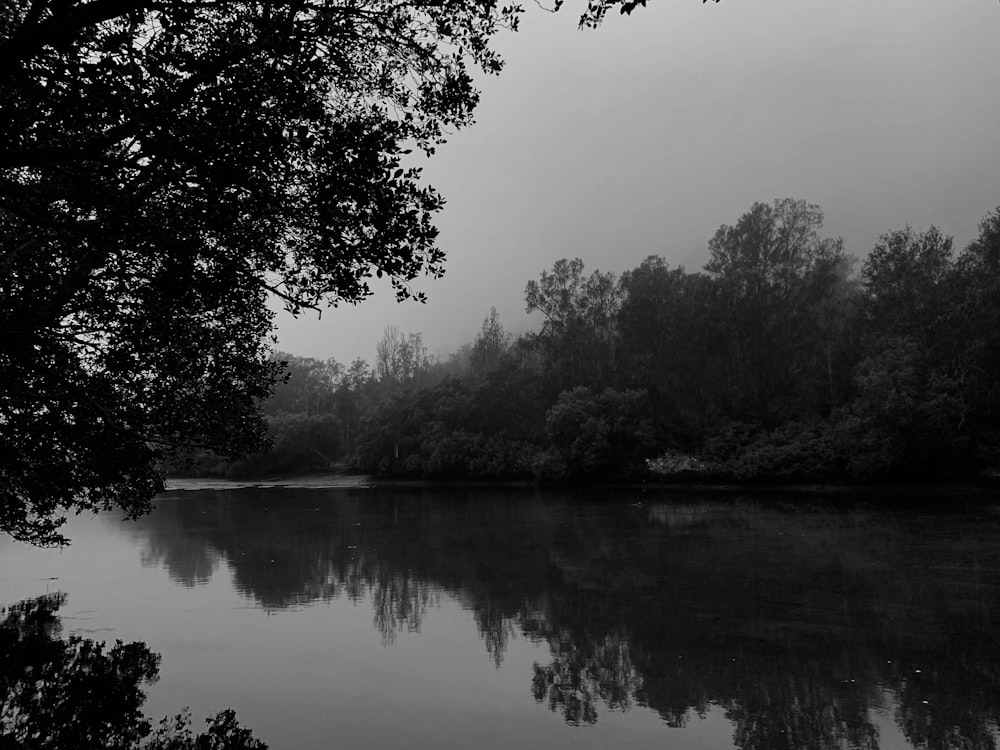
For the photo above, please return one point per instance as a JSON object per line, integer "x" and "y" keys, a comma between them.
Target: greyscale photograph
{"x": 476, "y": 375}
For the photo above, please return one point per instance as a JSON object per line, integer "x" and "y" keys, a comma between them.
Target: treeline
{"x": 781, "y": 360}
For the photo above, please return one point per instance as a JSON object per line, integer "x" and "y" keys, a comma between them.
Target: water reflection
{"x": 802, "y": 623}
{"x": 79, "y": 693}
{"x": 190, "y": 561}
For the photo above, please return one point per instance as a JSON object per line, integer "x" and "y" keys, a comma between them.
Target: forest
{"x": 786, "y": 358}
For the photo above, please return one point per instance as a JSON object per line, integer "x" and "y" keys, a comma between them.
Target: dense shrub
{"x": 601, "y": 434}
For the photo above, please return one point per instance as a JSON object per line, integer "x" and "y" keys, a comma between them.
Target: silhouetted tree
{"x": 578, "y": 336}
{"x": 399, "y": 357}
{"x": 978, "y": 268}
{"x": 164, "y": 169}
{"x": 600, "y": 434}
{"x": 909, "y": 292}
{"x": 763, "y": 264}
{"x": 671, "y": 336}
{"x": 307, "y": 385}
{"x": 490, "y": 344}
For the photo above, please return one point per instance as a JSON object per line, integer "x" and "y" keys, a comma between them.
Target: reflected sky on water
{"x": 454, "y": 618}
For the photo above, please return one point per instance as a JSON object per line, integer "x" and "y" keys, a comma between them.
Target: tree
{"x": 600, "y": 434}
{"x": 358, "y": 375}
{"x": 578, "y": 334}
{"x": 399, "y": 356}
{"x": 307, "y": 386}
{"x": 908, "y": 283}
{"x": 833, "y": 325}
{"x": 164, "y": 168}
{"x": 490, "y": 344}
{"x": 598, "y": 9}
{"x": 978, "y": 268}
{"x": 669, "y": 327}
{"x": 946, "y": 311}
{"x": 905, "y": 418}
{"x": 764, "y": 264}
{"x": 302, "y": 442}
{"x": 350, "y": 400}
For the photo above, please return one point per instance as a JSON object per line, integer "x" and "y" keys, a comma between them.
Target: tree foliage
{"x": 490, "y": 344}
{"x": 908, "y": 279}
{"x": 400, "y": 357}
{"x": 670, "y": 340}
{"x": 767, "y": 266}
{"x": 578, "y": 331}
{"x": 779, "y": 363}
{"x": 164, "y": 168}
{"x": 600, "y": 435}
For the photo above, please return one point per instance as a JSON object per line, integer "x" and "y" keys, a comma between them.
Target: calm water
{"x": 364, "y": 618}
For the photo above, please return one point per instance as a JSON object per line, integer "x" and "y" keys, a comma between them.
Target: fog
{"x": 643, "y": 136}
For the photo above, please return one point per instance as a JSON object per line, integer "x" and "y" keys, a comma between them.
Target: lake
{"x": 360, "y": 617}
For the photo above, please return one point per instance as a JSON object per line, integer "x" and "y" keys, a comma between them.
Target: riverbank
{"x": 304, "y": 481}
{"x": 330, "y": 480}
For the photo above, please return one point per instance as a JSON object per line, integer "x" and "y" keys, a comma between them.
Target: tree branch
{"x": 59, "y": 29}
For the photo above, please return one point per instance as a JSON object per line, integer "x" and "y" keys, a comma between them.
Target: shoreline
{"x": 331, "y": 480}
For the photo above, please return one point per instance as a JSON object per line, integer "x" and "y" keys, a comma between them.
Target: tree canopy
{"x": 165, "y": 168}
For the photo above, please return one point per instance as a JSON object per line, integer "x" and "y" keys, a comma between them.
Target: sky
{"x": 644, "y": 136}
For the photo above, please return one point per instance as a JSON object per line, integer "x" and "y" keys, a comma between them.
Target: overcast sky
{"x": 643, "y": 136}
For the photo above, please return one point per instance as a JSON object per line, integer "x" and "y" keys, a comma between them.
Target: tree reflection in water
{"x": 78, "y": 693}
{"x": 799, "y": 622}
{"x": 579, "y": 677}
